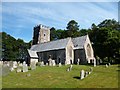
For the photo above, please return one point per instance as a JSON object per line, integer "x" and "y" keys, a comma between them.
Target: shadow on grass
{"x": 76, "y": 77}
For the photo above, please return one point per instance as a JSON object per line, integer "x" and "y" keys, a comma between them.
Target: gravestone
{"x": 46, "y": 64}
{"x": 106, "y": 66}
{"x": 20, "y": 64}
{"x": 94, "y": 62}
{"x": 42, "y": 64}
{"x": 25, "y": 67}
{"x": 109, "y": 64}
{"x": 78, "y": 61}
{"x": 69, "y": 68}
{"x": 11, "y": 66}
{"x": 53, "y": 63}
{"x": 86, "y": 74}
{"x": 82, "y": 74}
{"x": 89, "y": 72}
{"x": 5, "y": 70}
{"x": 91, "y": 69}
{"x": 14, "y": 64}
{"x": 19, "y": 69}
{"x": 60, "y": 65}
{"x": 50, "y": 61}
{"x": 33, "y": 65}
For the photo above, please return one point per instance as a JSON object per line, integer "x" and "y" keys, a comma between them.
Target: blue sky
{"x": 19, "y": 18}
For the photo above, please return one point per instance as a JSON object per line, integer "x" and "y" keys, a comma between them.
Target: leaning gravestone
{"x": 106, "y": 66}
{"x": 109, "y": 64}
{"x": 82, "y": 74}
{"x": 91, "y": 69}
{"x": 33, "y": 65}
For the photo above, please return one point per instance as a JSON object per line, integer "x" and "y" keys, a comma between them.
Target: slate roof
{"x": 79, "y": 42}
{"x": 52, "y": 45}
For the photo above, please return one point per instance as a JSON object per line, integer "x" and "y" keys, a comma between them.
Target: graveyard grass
{"x": 58, "y": 77}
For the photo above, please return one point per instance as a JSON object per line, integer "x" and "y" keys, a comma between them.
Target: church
{"x": 65, "y": 51}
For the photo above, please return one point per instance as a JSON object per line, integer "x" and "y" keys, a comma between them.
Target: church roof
{"x": 52, "y": 45}
{"x": 79, "y": 42}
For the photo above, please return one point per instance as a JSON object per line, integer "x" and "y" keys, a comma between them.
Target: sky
{"x": 19, "y": 18}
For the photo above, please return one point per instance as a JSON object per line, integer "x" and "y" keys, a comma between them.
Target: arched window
{"x": 88, "y": 50}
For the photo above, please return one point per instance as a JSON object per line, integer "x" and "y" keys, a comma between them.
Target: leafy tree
{"x": 106, "y": 40}
{"x": 72, "y": 28}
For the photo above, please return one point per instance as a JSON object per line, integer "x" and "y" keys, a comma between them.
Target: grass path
{"x": 58, "y": 77}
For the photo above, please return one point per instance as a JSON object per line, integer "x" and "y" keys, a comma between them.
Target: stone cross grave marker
{"x": 82, "y": 74}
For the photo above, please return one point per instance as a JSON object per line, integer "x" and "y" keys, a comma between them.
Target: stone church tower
{"x": 41, "y": 34}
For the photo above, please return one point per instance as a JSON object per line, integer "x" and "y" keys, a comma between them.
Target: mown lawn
{"x": 58, "y": 77}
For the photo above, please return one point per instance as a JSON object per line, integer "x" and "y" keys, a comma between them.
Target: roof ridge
{"x": 54, "y": 40}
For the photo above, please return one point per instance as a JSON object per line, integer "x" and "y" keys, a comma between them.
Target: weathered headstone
{"x": 50, "y": 61}
{"x": 82, "y": 74}
{"x": 69, "y": 68}
{"x": 25, "y": 67}
{"x": 94, "y": 62}
{"x": 46, "y": 64}
{"x": 109, "y": 64}
{"x": 106, "y": 66}
{"x": 89, "y": 72}
{"x": 19, "y": 69}
{"x": 33, "y": 65}
{"x": 60, "y": 65}
{"x": 86, "y": 74}
{"x": 78, "y": 61}
{"x": 53, "y": 63}
{"x": 14, "y": 64}
{"x": 42, "y": 64}
{"x": 5, "y": 69}
{"x": 91, "y": 69}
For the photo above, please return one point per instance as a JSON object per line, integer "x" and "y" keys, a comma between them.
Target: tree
{"x": 106, "y": 40}
{"x": 72, "y": 28}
